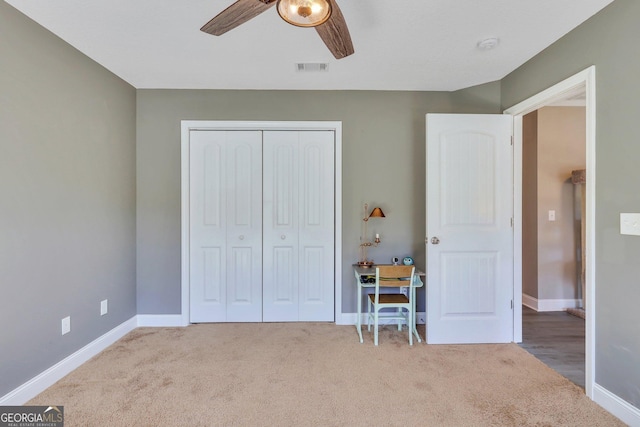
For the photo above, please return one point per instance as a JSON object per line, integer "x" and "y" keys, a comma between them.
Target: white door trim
{"x": 586, "y": 78}
{"x": 189, "y": 125}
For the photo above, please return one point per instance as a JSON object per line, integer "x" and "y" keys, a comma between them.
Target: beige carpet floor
{"x": 303, "y": 374}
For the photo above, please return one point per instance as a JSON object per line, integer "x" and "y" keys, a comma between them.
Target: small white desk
{"x": 371, "y": 271}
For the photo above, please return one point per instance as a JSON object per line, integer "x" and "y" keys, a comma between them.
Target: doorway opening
{"x": 552, "y": 209}
{"x": 581, "y": 83}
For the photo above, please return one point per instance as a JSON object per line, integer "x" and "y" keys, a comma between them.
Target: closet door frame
{"x": 202, "y": 125}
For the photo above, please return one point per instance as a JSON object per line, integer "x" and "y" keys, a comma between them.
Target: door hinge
{"x": 511, "y": 304}
{"x": 511, "y": 139}
{"x": 512, "y": 222}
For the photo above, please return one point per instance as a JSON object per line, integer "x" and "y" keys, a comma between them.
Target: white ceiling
{"x": 399, "y": 45}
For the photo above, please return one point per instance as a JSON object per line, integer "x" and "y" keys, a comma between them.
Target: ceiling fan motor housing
{"x": 304, "y": 13}
{"x": 324, "y": 15}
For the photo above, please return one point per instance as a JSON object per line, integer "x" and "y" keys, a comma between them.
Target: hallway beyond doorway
{"x": 558, "y": 340}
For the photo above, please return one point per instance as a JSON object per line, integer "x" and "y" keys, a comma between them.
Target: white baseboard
{"x": 46, "y": 379}
{"x": 41, "y": 382}
{"x": 622, "y": 409}
{"x": 161, "y": 320}
{"x": 529, "y": 301}
{"x": 549, "y": 304}
{"x": 350, "y": 319}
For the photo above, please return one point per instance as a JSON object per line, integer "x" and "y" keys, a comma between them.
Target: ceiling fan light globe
{"x": 304, "y": 13}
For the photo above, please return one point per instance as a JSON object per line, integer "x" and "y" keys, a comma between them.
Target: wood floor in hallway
{"x": 557, "y": 339}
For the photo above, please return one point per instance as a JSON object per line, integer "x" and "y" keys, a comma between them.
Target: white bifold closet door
{"x": 261, "y": 226}
{"x": 225, "y": 226}
{"x": 298, "y": 226}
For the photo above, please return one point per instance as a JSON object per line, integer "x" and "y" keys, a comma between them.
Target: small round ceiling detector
{"x": 488, "y": 44}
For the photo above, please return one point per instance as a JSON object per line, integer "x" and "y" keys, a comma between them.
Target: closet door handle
{"x": 283, "y": 237}
{"x": 241, "y": 237}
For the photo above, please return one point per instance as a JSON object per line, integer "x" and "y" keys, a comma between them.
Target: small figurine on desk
{"x": 407, "y": 260}
{"x": 395, "y": 260}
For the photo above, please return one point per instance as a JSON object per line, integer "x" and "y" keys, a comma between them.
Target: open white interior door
{"x": 469, "y": 229}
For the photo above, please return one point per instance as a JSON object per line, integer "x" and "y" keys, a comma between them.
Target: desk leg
{"x": 359, "y": 305}
{"x": 359, "y": 319}
{"x": 413, "y": 321}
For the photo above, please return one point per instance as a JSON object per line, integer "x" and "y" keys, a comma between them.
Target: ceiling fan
{"x": 324, "y": 15}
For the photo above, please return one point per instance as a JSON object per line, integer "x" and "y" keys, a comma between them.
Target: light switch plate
{"x": 630, "y": 224}
{"x": 552, "y": 215}
{"x": 66, "y": 325}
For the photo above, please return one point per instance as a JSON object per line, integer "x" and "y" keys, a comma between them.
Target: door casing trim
{"x": 587, "y": 79}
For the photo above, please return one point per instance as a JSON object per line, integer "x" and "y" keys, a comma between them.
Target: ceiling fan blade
{"x": 237, "y": 14}
{"x": 335, "y": 34}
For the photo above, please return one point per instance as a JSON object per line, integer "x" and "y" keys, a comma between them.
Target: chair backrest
{"x": 394, "y": 275}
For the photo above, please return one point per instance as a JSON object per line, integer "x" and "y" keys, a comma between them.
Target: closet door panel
{"x": 283, "y": 294}
{"x": 280, "y": 226}
{"x": 207, "y": 222}
{"x": 214, "y": 285}
{"x": 244, "y": 226}
{"x": 317, "y": 222}
{"x": 225, "y": 226}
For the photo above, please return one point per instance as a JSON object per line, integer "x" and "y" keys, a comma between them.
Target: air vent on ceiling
{"x": 310, "y": 67}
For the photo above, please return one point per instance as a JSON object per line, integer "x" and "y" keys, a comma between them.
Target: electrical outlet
{"x": 104, "y": 307}
{"x": 552, "y": 215}
{"x": 630, "y": 224}
{"x": 66, "y": 325}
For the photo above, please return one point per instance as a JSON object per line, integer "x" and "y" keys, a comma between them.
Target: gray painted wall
{"x": 383, "y": 164}
{"x": 67, "y": 199}
{"x": 561, "y": 149}
{"x": 608, "y": 41}
{"x": 554, "y": 144}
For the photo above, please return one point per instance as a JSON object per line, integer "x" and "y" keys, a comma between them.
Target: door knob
{"x": 435, "y": 240}
{"x": 283, "y": 237}
{"x": 241, "y": 237}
